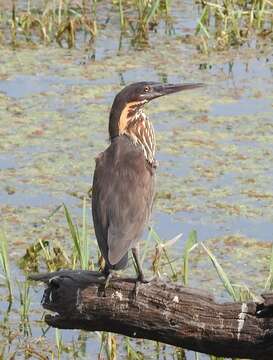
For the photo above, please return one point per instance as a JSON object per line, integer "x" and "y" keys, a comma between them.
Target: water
{"x": 215, "y": 148}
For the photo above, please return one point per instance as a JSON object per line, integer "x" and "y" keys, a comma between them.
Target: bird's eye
{"x": 146, "y": 89}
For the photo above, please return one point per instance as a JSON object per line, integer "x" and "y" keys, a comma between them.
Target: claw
{"x": 142, "y": 280}
{"x": 107, "y": 279}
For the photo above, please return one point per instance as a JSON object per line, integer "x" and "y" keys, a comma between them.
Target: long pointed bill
{"x": 162, "y": 89}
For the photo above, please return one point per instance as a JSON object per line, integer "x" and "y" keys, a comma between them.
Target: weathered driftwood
{"x": 168, "y": 313}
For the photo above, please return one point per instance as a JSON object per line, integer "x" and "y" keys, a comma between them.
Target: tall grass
{"x": 81, "y": 239}
{"x": 54, "y": 254}
{"x": 48, "y": 256}
{"x": 81, "y": 257}
{"x": 62, "y": 21}
{"x": 161, "y": 249}
{"x": 190, "y": 244}
{"x": 222, "y": 23}
{"x": 221, "y": 273}
{"x": 226, "y": 23}
{"x": 269, "y": 281}
{"x": 108, "y": 346}
{"x": 59, "y": 343}
{"x": 237, "y": 291}
{"x": 4, "y": 261}
{"x": 24, "y": 307}
{"x": 55, "y": 21}
{"x": 131, "y": 353}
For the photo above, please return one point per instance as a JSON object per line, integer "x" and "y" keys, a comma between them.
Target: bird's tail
{"x": 121, "y": 264}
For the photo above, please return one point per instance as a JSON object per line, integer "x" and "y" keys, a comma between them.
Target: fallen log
{"x": 169, "y": 313}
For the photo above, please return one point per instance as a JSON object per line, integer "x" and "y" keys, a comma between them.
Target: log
{"x": 169, "y": 313}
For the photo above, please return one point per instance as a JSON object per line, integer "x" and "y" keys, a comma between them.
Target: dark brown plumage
{"x": 124, "y": 178}
{"x": 124, "y": 185}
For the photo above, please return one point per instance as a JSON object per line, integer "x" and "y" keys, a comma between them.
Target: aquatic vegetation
{"x": 221, "y": 273}
{"x": 30, "y": 261}
{"x": 59, "y": 343}
{"x": 108, "y": 346}
{"x": 4, "y": 261}
{"x": 237, "y": 292}
{"x": 224, "y": 24}
{"x": 24, "y": 307}
{"x": 269, "y": 282}
{"x": 215, "y": 155}
{"x": 81, "y": 240}
{"x": 190, "y": 245}
{"x": 52, "y": 255}
{"x": 147, "y": 10}
{"x": 64, "y": 21}
{"x": 53, "y": 22}
{"x": 167, "y": 263}
{"x": 161, "y": 248}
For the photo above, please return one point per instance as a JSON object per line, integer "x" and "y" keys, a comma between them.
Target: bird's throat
{"x": 140, "y": 130}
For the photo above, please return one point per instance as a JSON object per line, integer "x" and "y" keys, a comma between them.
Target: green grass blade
{"x": 200, "y": 26}
{"x": 59, "y": 342}
{"x": 4, "y": 261}
{"x": 121, "y": 15}
{"x": 84, "y": 240}
{"x": 80, "y": 238}
{"x": 47, "y": 256}
{"x": 161, "y": 244}
{"x": 151, "y": 12}
{"x": 74, "y": 233}
{"x": 269, "y": 280}
{"x": 190, "y": 244}
{"x": 221, "y": 273}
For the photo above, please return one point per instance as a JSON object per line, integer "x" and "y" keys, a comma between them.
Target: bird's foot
{"x": 108, "y": 277}
{"x": 142, "y": 280}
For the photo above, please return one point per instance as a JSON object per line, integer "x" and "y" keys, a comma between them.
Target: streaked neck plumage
{"x": 133, "y": 122}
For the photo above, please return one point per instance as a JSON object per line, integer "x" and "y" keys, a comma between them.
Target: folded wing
{"x": 123, "y": 190}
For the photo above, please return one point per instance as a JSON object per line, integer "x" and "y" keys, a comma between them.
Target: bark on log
{"x": 168, "y": 313}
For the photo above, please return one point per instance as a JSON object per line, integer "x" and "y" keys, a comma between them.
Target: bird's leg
{"x": 140, "y": 274}
{"x": 108, "y": 274}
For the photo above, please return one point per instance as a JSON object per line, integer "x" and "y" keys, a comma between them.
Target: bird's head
{"x": 133, "y": 97}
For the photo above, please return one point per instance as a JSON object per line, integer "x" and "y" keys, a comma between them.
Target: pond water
{"x": 215, "y": 150}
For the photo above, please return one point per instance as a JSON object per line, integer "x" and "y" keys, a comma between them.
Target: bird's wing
{"x": 123, "y": 195}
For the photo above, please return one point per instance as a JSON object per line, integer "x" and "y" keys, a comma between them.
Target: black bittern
{"x": 124, "y": 178}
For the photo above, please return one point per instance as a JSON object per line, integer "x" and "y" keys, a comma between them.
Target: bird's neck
{"x": 134, "y": 123}
{"x": 140, "y": 130}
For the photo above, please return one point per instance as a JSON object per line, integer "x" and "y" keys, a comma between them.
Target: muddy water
{"x": 215, "y": 150}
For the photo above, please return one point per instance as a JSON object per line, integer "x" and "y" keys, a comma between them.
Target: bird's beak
{"x": 166, "y": 89}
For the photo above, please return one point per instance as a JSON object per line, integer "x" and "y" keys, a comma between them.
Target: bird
{"x": 124, "y": 178}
